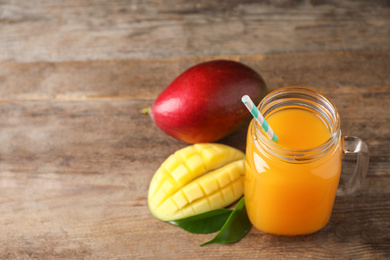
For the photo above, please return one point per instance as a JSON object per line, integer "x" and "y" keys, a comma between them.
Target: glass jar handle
{"x": 355, "y": 145}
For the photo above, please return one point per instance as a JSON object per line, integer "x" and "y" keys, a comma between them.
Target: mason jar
{"x": 290, "y": 188}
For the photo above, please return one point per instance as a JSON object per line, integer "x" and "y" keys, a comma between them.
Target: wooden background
{"x": 77, "y": 154}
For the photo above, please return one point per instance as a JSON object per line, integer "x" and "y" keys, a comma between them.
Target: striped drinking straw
{"x": 259, "y": 117}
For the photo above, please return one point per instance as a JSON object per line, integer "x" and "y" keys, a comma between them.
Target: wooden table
{"x": 77, "y": 154}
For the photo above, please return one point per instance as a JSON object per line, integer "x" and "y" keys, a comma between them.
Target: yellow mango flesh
{"x": 196, "y": 179}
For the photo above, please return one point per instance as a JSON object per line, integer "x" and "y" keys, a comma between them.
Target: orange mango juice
{"x": 286, "y": 196}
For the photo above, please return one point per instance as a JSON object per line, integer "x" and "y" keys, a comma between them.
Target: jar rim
{"x": 322, "y": 104}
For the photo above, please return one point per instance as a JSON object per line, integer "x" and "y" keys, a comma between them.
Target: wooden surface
{"x": 77, "y": 154}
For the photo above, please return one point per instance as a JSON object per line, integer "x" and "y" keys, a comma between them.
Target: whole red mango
{"x": 203, "y": 104}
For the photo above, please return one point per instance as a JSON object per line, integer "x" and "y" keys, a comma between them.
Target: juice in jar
{"x": 285, "y": 194}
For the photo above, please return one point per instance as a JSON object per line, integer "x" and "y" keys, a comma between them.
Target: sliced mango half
{"x": 196, "y": 179}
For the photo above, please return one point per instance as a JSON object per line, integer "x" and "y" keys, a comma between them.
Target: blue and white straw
{"x": 259, "y": 117}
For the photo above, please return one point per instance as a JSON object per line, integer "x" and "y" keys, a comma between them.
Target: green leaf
{"x": 235, "y": 228}
{"x": 204, "y": 223}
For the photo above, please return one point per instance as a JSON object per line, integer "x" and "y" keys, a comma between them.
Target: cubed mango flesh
{"x": 196, "y": 179}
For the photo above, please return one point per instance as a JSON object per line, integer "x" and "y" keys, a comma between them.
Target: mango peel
{"x": 197, "y": 179}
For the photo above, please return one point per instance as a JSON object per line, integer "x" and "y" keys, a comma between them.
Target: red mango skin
{"x": 203, "y": 104}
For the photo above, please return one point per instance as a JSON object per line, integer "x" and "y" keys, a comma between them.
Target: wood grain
{"x": 77, "y": 154}
{"x": 330, "y": 72}
{"x": 103, "y": 30}
{"x": 77, "y": 158}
